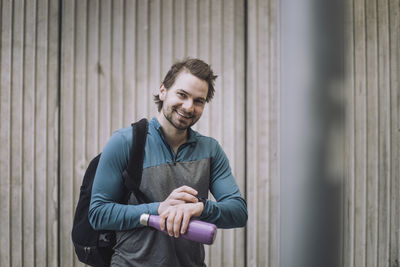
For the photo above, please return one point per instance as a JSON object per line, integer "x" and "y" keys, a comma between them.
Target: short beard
{"x": 170, "y": 119}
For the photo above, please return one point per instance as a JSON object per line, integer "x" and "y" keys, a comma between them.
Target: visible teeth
{"x": 187, "y": 117}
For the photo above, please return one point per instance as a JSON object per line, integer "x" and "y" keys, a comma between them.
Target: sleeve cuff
{"x": 153, "y": 208}
{"x": 206, "y": 203}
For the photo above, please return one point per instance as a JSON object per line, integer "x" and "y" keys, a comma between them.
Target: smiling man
{"x": 180, "y": 167}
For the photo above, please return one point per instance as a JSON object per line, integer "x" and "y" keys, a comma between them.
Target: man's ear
{"x": 163, "y": 92}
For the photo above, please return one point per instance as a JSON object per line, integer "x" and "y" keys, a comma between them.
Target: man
{"x": 180, "y": 167}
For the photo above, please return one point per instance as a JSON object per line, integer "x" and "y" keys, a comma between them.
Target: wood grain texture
{"x": 29, "y": 80}
{"x": 40, "y": 134}
{"x": 129, "y": 80}
{"x": 262, "y": 143}
{"x": 370, "y": 226}
{"x": 52, "y": 185}
{"x": 384, "y": 147}
{"x": 371, "y": 126}
{"x": 16, "y": 137}
{"x": 360, "y": 146}
{"x": 348, "y": 184}
{"x": 394, "y": 63}
{"x": 5, "y": 131}
{"x": 67, "y": 132}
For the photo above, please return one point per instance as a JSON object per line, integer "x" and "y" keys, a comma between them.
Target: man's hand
{"x": 181, "y": 195}
{"x": 177, "y": 217}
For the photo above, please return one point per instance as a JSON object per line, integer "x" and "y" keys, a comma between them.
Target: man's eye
{"x": 181, "y": 94}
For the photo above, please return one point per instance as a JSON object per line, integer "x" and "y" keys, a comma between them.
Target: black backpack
{"x": 92, "y": 247}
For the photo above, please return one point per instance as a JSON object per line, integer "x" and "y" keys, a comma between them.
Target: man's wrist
{"x": 158, "y": 207}
{"x": 202, "y": 202}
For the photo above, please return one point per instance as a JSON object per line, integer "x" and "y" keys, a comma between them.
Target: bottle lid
{"x": 144, "y": 219}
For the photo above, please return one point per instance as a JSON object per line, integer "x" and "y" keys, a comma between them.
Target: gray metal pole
{"x": 311, "y": 112}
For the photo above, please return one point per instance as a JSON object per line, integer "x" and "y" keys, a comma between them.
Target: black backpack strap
{"x": 133, "y": 173}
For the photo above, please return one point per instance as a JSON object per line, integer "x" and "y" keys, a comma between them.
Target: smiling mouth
{"x": 183, "y": 115}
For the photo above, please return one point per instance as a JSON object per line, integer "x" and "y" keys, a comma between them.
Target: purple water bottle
{"x": 197, "y": 231}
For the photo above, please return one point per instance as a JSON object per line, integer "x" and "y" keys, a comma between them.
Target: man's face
{"x": 184, "y": 101}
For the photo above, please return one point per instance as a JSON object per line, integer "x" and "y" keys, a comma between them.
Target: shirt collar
{"x": 191, "y": 134}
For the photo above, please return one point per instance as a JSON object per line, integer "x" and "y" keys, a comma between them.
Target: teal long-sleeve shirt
{"x": 105, "y": 212}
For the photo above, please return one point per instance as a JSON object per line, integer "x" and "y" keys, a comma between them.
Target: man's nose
{"x": 188, "y": 105}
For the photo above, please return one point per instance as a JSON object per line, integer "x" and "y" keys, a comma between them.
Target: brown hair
{"x": 195, "y": 66}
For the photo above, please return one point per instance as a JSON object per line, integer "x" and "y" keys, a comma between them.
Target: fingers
{"x": 185, "y": 223}
{"x": 177, "y": 224}
{"x": 176, "y": 211}
{"x": 184, "y": 193}
{"x": 185, "y": 197}
{"x": 187, "y": 189}
{"x": 162, "y": 219}
{"x": 174, "y": 202}
{"x": 170, "y": 222}
{"x": 175, "y": 220}
{"x": 181, "y": 195}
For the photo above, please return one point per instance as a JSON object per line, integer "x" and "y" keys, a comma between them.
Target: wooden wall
{"x": 372, "y": 171}
{"x": 29, "y": 133}
{"x": 263, "y": 127}
{"x": 72, "y": 72}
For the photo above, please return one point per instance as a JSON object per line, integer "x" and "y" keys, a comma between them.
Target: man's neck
{"x": 173, "y": 136}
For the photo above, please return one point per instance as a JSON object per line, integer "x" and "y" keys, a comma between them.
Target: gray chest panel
{"x": 149, "y": 247}
{"x": 159, "y": 181}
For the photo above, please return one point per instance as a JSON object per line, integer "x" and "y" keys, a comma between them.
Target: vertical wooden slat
{"x": 142, "y": 59}
{"x": 394, "y": 61}
{"x": 28, "y": 159}
{"x": 204, "y": 29}
{"x": 274, "y": 135}
{"x": 129, "y": 62}
{"x": 167, "y": 35}
{"x": 79, "y": 100}
{"x": 154, "y": 74}
{"x": 67, "y": 132}
{"x": 360, "y": 135}
{"x": 5, "y": 132}
{"x": 179, "y": 28}
{"x": 384, "y": 148}
{"x": 238, "y": 128}
{"x": 204, "y": 44}
{"x": 117, "y": 65}
{"x": 348, "y": 209}
{"x": 94, "y": 71}
{"x": 16, "y": 112}
{"x": 262, "y": 134}
{"x": 228, "y": 142}
{"x": 105, "y": 41}
{"x": 191, "y": 27}
{"x": 251, "y": 142}
{"x": 53, "y": 130}
{"x": 371, "y": 133}
{"x": 214, "y": 252}
{"x": 41, "y": 110}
